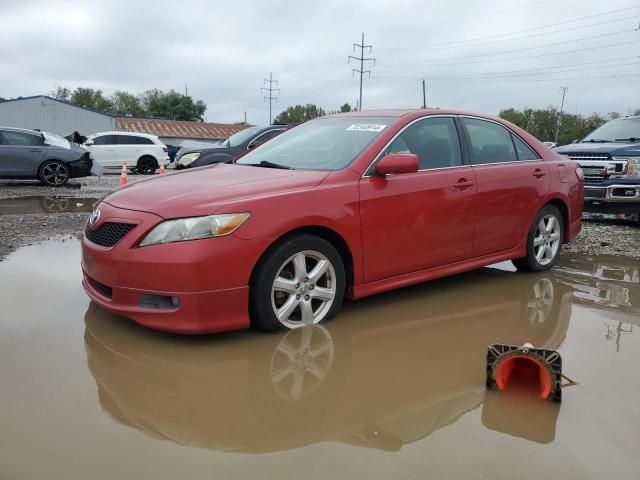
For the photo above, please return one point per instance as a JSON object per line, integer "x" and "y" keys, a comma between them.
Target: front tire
{"x": 544, "y": 241}
{"x": 54, "y": 173}
{"x": 300, "y": 282}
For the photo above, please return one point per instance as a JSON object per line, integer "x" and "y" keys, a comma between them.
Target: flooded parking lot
{"x": 392, "y": 388}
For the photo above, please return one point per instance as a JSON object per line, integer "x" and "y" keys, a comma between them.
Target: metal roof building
{"x": 61, "y": 117}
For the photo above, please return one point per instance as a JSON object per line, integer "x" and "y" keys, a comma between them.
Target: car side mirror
{"x": 397, "y": 163}
{"x": 576, "y": 141}
{"x": 252, "y": 145}
{"x": 89, "y": 142}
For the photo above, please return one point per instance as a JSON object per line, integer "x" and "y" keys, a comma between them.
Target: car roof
{"x": 23, "y": 130}
{"x": 418, "y": 112}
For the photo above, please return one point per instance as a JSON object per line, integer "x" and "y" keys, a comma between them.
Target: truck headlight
{"x": 195, "y": 228}
{"x": 188, "y": 159}
{"x": 633, "y": 167}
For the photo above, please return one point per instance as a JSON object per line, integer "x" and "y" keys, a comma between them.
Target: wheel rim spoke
{"x": 321, "y": 293}
{"x": 307, "y": 313}
{"x": 287, "y": 309}
{"x": 319, "y": 270}
{"x": 284, "y": 285}
{"x": 300, "y": 266}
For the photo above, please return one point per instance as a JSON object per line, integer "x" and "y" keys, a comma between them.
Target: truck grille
{"x": 109, "y": 233}
{"x": 577, "y": 156}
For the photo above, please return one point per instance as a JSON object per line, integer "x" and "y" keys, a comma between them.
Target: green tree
{"x": 61, "y": 93}
{"x": 172, "y": 105}
{"x": 300, "y": 113}
{"x": 124, "y": 103}
{"x": 90, "y": 98}
{"x": 345, "y": 108}
{"x": 636, "y": 111}
{"x": 613, "y": 115}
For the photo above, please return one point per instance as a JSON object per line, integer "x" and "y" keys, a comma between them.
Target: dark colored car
{"x": 228, "y": 149}
{"x": 610, "y": 159}
{"x": 29, "y": 154}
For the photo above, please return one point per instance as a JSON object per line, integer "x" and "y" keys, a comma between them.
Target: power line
{"x": 573, "y": 20}
{"x": 473, "y": 41}
{"x": 518, "y": 50}
{"x": 516, "y": 58}
{"x": 361, "y": 58}
{"x": 271, "y": 91}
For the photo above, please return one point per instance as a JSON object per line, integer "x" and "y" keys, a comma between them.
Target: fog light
{"x": 174, "y": 301}
{"x": 159, "y": 302}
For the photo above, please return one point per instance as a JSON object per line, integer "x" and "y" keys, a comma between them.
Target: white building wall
{"x": 53, "y": 116}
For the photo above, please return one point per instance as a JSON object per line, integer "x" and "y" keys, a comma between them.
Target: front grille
{"x": 577, "y": 156}
{"x": 109, "y": 233}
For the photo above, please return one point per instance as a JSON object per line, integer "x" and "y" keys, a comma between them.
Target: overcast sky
{"x": 479, "y": 55}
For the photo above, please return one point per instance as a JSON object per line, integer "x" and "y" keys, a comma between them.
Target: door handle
{"x": 35, "y": 150}
{"x": 539, "y": 173}
{"x": 463, "y": 183}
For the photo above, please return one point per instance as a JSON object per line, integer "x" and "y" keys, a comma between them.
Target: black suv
{"x": 228, "y": 149}
{"x": 610, "y": 159}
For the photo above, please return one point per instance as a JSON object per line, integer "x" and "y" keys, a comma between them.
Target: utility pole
{"x": 271, "y": 91}
{"x": 563, "y": 92}
{"x": 245, "y": 118}
{"x": 361, "y": 59}
{"x": 185, "y": 90}
{"x": 424, "y": 95}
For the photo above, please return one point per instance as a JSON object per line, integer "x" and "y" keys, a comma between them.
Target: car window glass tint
{"x": 433, "y": 140}
{"x": 490, "y": 142}
{"x": 124, "y": 140}
{"x": 102, "y": 140}
{"x": 143, "y": 140}
{"x": 19, "y": 139}
{"x": 523, "y": 150}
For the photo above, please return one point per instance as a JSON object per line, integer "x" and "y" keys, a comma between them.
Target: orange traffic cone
{"x": 162, "y": 170}
{"x": 123, "y": 176}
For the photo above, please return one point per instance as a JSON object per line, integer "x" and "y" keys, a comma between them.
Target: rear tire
{"x": 300, "y": 281}
{"x": 147, "y": 165}
{"x": 544, "y": 241}
{"x": 54, "y": 173}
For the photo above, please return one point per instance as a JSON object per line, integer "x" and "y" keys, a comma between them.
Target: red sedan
{"x": 342, "y": 206}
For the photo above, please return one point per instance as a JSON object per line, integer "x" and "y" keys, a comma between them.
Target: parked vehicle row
{"x": 346, "y": 205}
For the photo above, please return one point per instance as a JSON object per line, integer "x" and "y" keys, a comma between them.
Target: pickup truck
{"x": 610, "y": 160}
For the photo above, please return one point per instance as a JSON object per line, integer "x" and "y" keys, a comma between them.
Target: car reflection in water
{"x": 605, "y": 283}
{"x": 390, "y": 371}
{"x": 45, "y": 204}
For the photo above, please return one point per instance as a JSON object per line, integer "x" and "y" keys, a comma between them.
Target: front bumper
{"x": 614, "y": 197}
{"x": 198, "y": 286}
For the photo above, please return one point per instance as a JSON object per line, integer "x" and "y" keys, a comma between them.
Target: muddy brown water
{"x": 392, "y": 388}
{"x": 45, "y": 204}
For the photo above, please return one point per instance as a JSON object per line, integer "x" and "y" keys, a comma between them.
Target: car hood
{"x": 202, "y": 191}
{"x": 613, "y": 148}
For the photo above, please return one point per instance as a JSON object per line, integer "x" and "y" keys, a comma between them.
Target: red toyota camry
{"x": 342, "y": 206}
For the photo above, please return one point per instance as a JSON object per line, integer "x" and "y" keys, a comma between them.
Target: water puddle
{"x": 401, "y": 372}
{"x": 45, "y": 204}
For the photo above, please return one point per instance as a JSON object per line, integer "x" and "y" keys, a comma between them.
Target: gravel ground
{"x": 600, "y": 235}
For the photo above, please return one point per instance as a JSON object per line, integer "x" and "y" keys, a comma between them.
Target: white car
{"x": 141, "y": 151}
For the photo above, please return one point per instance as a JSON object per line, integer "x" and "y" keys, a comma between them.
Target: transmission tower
{"x": 361, "y": 59}
{"x": 271, "y": 91}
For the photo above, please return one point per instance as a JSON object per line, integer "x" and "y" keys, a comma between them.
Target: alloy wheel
{"x": 546, "y": 240}
{"x": 55, "y": 173}
{"x": 303, "y": 289}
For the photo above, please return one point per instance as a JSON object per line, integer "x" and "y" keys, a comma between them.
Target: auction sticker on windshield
{"x": 366, "y": 127}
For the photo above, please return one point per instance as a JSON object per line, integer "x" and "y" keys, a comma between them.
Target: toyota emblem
{"x": 95, "y": 216}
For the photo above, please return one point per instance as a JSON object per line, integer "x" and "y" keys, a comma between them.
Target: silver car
{"x": 30, "y": 154}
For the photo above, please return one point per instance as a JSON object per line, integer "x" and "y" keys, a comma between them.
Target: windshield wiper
{"x": 596, "y": 140}
{"x": 630, "y": 139}
{"x": 267, "y": 164}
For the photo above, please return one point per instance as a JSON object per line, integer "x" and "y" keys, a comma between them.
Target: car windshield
{"x": 241, "y": 137}
{"x": 616, "y": 130}
{"x": 321, "y": 144}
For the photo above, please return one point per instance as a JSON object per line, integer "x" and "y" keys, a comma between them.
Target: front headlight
{"x": 195, "y": 228}
{"x": 633, "y": 167}
{"x": 188, "y": 159}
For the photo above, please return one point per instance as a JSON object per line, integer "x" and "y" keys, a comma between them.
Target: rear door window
{"x": 490, "y": 142}
{"x": 433, "y": 140}
{"x": 523, "y": 150}
{"x": 104, "y": 140}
